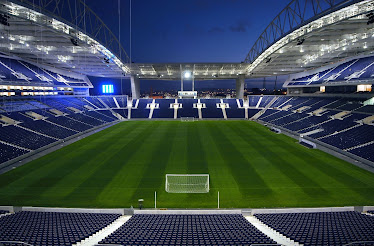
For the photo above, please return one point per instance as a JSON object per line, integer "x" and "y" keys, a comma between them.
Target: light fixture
{"x": 187, "y": 74}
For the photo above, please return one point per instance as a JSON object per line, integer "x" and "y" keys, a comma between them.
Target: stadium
{"x": 114, "y": 168}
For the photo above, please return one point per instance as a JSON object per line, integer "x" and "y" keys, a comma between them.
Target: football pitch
{"x": 249, "y": 165}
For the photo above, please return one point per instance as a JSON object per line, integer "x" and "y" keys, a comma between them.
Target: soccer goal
{"x": 187, "y": 183}
{"x": 185, "y": 119}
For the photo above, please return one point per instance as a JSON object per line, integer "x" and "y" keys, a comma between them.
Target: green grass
{"x": 248, "y": 164}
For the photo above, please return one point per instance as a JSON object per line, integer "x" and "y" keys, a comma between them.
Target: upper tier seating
{"x": 21, "y": 71}
{"x": 353, "y": 70}
{"x": 225, "y": 229}
{"x": 324, "y": 228}
{"x": 50, "y": 228}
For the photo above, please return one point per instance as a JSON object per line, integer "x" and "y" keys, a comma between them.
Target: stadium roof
{"x": 63, "y": 34}
{"x": 291, "y": 44}
{"x": 68, "y": 35}
{"x": 200, "y": 71}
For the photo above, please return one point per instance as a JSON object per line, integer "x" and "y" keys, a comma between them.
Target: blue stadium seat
{"x": 218, "y": 229}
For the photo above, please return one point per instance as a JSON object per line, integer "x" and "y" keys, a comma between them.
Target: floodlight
{"x": 187, "y": 74}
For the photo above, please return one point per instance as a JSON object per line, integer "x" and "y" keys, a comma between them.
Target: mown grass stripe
{"x": 250, "y": 183}
{"x": 284, "y": 165}
{"x": 58, "y": 170}
{"x": 104, "y": 172}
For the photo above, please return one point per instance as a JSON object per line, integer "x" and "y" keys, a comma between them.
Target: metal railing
{"x": 366, "y": 243}
{"x": 7, "y": 243}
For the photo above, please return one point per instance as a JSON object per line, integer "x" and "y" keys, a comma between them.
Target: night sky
{"x": 188, "y": 30}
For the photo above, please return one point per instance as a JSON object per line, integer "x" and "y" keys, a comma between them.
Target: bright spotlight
{"x": 187, "y": 74}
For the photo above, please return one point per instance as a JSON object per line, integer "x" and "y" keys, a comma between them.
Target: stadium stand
{"x": 365, "y": 152}
{"x": 234, "y": 111}
{"x": 353, "y": 70}
{"x": 28, "y": 133}
{"x": 319, "y": 118}
{"x": 253, "y": 100}
{"x": 164, "y": 111}
{"x": 41, "y": 126}
{"x": 8, "y": 152}
{"x": 322, "y": 228}
{"x": 222, "y": 229}
{"x": 94, "y": 101}
{"x": 52, "y": 228}
{"x": 345, "y": 132}
{"x": 122, "y": 101}
{"x": 16, "y": 70}
{"x": 211, "y": 110}
{"x": 187, "y": 109}
{"x": 23, "y": 138}
{"x": 109, "y": 101}
{"x": 141, "y": 111}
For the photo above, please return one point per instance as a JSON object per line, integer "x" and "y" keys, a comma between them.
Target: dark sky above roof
{"x": 188, "y": 30}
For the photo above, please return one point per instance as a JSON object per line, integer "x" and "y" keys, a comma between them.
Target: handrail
{"x": 359, "y": 242}
{"x": 16, "y": 242}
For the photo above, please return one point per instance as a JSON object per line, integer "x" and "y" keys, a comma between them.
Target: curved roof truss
{"x": 290, "y": 37}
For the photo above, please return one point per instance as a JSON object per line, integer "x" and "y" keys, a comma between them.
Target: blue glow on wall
{"x": 107, "y": 89}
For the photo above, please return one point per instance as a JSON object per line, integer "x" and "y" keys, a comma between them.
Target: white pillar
{"x": 240, "y": 86}
{"x": 135, "y": 87}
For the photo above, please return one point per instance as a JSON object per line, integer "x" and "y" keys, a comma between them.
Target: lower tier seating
{"x": 228, "y": 229}
{"x": 50, "y": 228}
{"x": 323, "y": 228}
{"x": 8, "y": 152}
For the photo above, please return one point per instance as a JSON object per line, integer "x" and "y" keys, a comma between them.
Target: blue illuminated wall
{"x": 119, "y": 87}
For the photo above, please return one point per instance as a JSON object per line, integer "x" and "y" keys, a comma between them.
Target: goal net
{"x": 184, "y": 119}
{"x": 187, "y": 183}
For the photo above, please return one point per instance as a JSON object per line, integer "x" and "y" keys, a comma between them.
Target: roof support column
{"x": 135, "y": 87}
{"x": 240, "y": 86}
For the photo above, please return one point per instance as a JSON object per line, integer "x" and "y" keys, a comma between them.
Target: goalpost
{"x": 185, "y": 119}
{"x": 187, "y": 183}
